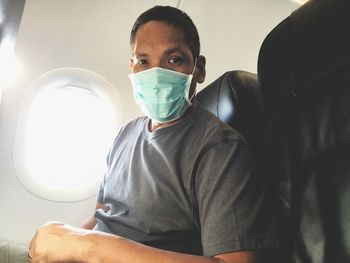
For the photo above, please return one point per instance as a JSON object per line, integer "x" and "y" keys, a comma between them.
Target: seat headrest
{"x": 311, "y": 43}
{"x": 304, "y": 64}
{"x": 235, "y": 98}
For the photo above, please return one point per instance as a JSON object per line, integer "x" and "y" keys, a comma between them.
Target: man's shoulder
{"x": 131, "y": 128}
{"x": 213, "y": 128}
{"x": 137, "y": 122}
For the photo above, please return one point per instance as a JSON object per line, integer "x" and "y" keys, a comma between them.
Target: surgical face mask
{"x": 162, "y": 94}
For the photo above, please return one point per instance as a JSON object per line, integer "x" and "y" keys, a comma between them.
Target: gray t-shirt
{"x": 187, "y": 188}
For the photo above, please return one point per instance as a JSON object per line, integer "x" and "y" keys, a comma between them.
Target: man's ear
{"x": 131, "y": 63}
{"x": 200, "y": 75}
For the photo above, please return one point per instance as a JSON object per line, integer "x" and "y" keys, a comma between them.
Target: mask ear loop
{"x": 194, "y": 69}
{"x": 193, "y": 95}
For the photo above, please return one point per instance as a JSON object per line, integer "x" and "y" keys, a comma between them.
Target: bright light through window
{"x": 67, "y": 124}
{"x": 68, "y": 136}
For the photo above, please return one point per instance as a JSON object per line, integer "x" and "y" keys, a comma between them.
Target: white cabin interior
{"x": 86, "y": 42}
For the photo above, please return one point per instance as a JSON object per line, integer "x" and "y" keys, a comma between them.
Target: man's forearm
{"x": 62, "y": 243}
{"x": 104, "y": 247}
{"x": 57, "y": 242}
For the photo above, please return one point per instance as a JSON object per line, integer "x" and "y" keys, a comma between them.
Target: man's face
{"x": 158, "y": 44}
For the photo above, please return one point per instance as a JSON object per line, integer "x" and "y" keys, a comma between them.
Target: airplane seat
{"x": 235, "y": 98}
{"x": 304, "y": 73}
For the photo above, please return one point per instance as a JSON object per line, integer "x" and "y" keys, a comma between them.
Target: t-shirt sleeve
{"x": 232, "y": 201}
{"x": 101, "y": 190}
{"x": 100, "y": 194}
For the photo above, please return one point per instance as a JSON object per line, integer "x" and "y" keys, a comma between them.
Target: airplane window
{"x": 65, "y": 137}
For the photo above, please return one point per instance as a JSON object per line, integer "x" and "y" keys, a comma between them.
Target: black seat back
{"x": 235, "y": 97}
{"x": 304, "y": 72}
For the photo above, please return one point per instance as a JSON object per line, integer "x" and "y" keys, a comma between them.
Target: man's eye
{"x": 142, "y": 61}
{"x": 175, "y": 60}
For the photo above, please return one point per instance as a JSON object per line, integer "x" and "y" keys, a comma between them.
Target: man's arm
{"x": 62, "y": 243}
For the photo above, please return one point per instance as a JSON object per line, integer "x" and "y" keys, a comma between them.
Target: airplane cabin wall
{"x": 93, "y": 35}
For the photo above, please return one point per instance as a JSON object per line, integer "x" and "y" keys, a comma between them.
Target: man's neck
{"x": 156, "y": 125}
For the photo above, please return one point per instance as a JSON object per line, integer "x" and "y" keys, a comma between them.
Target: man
{"x": 179, "y": 185}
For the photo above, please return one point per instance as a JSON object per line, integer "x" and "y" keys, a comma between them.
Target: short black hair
{"x": 174, "y": 17}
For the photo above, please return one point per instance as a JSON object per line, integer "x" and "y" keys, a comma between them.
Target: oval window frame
{"x": 54, "y": 79}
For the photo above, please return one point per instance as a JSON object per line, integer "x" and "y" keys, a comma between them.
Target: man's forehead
{"x": 156, "y": 31}
{"x": 160, "y": 26}
{"x": 157, "y": 37}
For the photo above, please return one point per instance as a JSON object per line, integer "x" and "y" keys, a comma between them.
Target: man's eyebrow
{"x": 140, "y": 55}
{"x": 175, "y": 49}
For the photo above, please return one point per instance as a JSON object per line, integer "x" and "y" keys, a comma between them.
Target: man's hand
{"x": 54, "y": 242}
